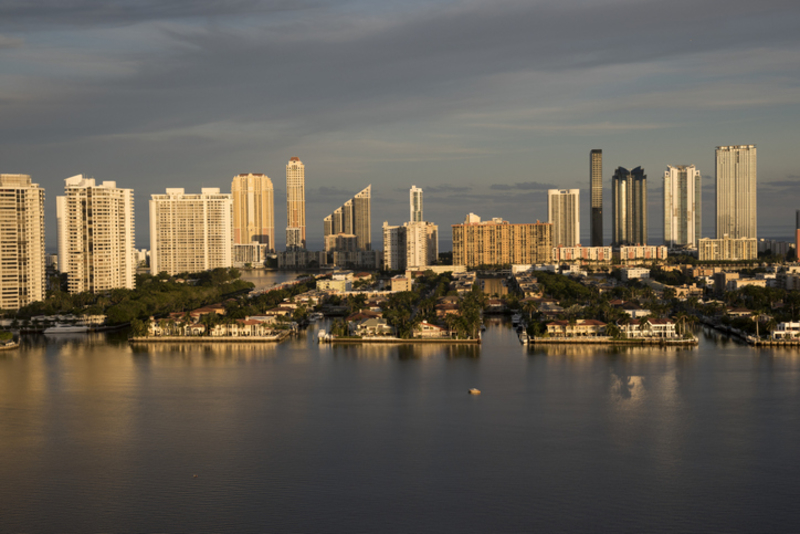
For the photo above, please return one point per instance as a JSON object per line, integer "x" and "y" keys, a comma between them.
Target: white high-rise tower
{"x": 415, "y": 203}
{"x": 682, "y": 206}
{"x": 96, "y": 246}
{"x": 563, "y": 208}
{"x": 736, "y": 191}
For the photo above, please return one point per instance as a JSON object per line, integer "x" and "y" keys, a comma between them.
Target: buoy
{"x": 474, "y": 391}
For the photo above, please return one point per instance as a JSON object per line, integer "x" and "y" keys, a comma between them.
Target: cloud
{"x": 525, "y": 186}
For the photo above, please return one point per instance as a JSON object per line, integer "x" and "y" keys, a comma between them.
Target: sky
{"x": 484, "y": 105}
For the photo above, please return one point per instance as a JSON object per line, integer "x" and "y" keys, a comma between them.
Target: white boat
{"x": 474, "y": 391}
{"x": 67, "y": 329}
{"x": 523, "y": 338}
{"x": 515, "y": 319}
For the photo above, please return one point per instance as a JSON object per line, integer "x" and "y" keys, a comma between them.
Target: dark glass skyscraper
{"x": 596, "y": 194}
{"x": 629, "y": 207}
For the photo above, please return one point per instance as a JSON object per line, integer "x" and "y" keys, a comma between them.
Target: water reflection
{"x": 403, "y": 351}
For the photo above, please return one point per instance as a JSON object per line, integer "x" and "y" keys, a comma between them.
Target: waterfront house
{"x": 581, "y": 328}
{"x": 373, "y": 326}
{"x": 647, "y": 328}
{"x": 427, "y": 330}
{"x": 242, "y": 328}
{"x": 790, "y": 330}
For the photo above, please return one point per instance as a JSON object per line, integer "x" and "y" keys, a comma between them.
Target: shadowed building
{"x": 629, "y": 207}
{"x": 596, "y": 193}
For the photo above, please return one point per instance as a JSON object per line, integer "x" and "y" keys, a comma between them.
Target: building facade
{"x": 415, "y": 204}
{"x": 22, "y": 265}
{"x": 579, "y": 253}
{"x": 96, "y": 235}
{"x": 295, "y": 205}
{"x": 563, "y": 209}
{"x": 727, "y": 249}
{"x": 253, "y": 210}
{"x": 354, "y": 217}
{"x": 411, "y": 245}
{"x": 637, "y": 253}
{"x": 596, "y": 191}
{"x": 682, "y": 206}
{"x": 498, "y": 242}
{"x": 736, "y": 191}
{"x": 629, "y": 207}
{"x": 191, "y": 232}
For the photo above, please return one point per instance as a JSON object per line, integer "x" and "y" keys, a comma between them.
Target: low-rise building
{"x": 647, "y": 328}
{"x": 634, "y": 273}
{"x": 785, "y": 331}
{"x": 727, "y": 249}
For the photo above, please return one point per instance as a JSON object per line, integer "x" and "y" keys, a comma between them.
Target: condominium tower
{"x": 253, "y": 210}
{"x": 411, "y": 245}
{"x": 563, "y": 209}
{"x": 190, "y": 233}
{"x": 415, "y": 204}
{"x": 22, "y": 269}
{"x": 295, "y": 205}
{"x": 596, "y": 190}
{"x": 353, "y": 218}
{"x": 682, "y": 206}
{"x": 498, "y": 242}
{"x": 629, "y": 207}
{"x": 96, "y": 246}
{"x": 736, "y": 191}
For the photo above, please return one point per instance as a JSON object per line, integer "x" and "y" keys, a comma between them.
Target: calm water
{"x": 95, "y": 436}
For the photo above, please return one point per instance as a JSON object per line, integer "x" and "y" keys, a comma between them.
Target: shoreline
{"x": 400, "y": 341}
{"x": 609, "y": 341}
{"x": 211, "y": 339}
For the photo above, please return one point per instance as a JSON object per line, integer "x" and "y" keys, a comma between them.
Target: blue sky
{"x": 484, "y": 105}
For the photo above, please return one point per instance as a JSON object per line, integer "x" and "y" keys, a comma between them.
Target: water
{"x": 96, "y": 436}
{"x": 264, "y": 279}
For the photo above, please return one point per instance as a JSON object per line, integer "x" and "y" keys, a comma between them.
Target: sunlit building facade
{"x": 498, "y": 242}
{"x": 96, "y": 246}
{"x": 682, "y": 206}
{"x": 629, "y": 207}
{"x": 295, "y": 205}
{"x": 736, "y": 191}
{"x": 563, "y": 209}
{"x": 253, "y": 210}
{"x": 22, "y": 257}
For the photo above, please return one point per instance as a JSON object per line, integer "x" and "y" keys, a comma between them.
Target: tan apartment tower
{"x": 96, "y": 246}
{"x": 498, "y": 242}
{"x": 682, "y": 206}
{"x": 563, "y": 209}
{"x": 253, "y": 210}
{"x": 190, "y": 233}
{"x": 736, "y": 191}
{"x": 22, "y": 269}
{"x": 596, "y": 194}
{"x": 295, "y": 205}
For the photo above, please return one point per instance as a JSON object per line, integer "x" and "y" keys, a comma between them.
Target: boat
{"x": 523, "y": 338}
{"x": 515, "y": 319}
{"x": 474, "y": 391}
{"x": 67, "y": 329}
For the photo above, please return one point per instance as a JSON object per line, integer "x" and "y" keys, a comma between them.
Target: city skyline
{"x": 384, "y": 97}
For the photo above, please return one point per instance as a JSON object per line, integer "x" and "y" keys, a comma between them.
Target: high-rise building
{"x": 563, "y": 209}
{"x": 22, "y": 269}
{"x": 415, "y": 204}
{"x": 96, "y": 235}
{"x": 412, "y": 245}
{"x": 394, "y": 247}
{"x": 498, "y": 242}
{"x": 629, "y": 207}
{"x": 352, "y": 218}
{"x": 190, "y": 233}
{"x": 736, "y": 191}
{"x": 253, "y": 210}
{"x": 295, "y": 204}
{"x": 682, "y": 206}
{"x": 596, "y": 179}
